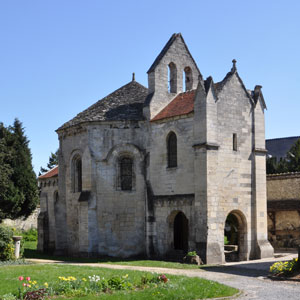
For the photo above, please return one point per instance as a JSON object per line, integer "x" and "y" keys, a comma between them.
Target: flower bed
{"x": 92, "y": 285}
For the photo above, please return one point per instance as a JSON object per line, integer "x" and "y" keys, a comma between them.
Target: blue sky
{"x": 59, "y": 57}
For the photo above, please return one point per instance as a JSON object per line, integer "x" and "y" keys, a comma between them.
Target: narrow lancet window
{"x": 126, "y": 173}
{"x": 77, "y": 174}
{"x": 172, "y": 150}
{"x": 234, "y": 142}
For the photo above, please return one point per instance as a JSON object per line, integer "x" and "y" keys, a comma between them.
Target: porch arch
{"x": 235, "y": 231}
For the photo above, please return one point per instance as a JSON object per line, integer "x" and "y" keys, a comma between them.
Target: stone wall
{"x": 283, "y": 193}
{"x": 30, "y": 222}
{"x": 109, "y": 221}
{"x": 46, "y": 217}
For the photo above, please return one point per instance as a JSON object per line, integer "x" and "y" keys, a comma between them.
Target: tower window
{"x": 172, "y": 78}
{"x": 234, "y": 142}
{"x": 126, "y": 173}
{"x": 172, "y": 150}
{"x": 187, "y": 79}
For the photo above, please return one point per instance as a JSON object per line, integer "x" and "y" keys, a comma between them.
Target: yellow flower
{"x": 83, "y": 279}
{"x": 46, "y": 284}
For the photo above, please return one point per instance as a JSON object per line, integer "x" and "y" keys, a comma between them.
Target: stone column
{"x": 17, "y": 242}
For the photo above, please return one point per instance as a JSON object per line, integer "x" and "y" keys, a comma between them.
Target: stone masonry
{"x": 283, "y": 192}
{"x": 156, "y": 171}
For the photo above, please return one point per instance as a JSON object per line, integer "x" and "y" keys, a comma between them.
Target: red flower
{"x": 24, "y": 284}
{"x": 27, "y": 278}
{"x": 21, "y": 278}
{"x": 163, "y": 278}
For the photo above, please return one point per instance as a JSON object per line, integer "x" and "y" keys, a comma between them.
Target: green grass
{"x": 31, "y": 252}
{"x": 178, "y": 287}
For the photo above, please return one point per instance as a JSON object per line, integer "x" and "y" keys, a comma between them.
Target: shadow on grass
{"x": 32, "y": 253}
{"x": 133, "y": 261}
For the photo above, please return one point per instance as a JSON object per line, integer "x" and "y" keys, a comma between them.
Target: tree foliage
{"x": 289, "y": 164}
{"x": 18, "y": 185}
{"x": 53, "y": 161}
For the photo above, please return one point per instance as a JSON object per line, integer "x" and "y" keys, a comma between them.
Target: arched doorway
{"x": 235, "y": 237}
{"x": 181, "y": 232}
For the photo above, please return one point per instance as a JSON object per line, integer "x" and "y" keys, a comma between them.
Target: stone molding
{"x": 207, "y": 146}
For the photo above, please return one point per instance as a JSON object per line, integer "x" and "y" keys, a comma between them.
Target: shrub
{"x": 284, "y": 268}
{"x": 192, "y": 253}
{"x": 6, "y": 243}
{"x": 9, "y": 296}
{"x": 226, "y": 242}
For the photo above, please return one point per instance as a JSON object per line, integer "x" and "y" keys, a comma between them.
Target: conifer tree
{"x": 18, "y": 185}
{"x": 293, "y": 158}
{"x": 53, "y": 161}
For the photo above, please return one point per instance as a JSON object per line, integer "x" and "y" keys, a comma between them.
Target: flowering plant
{"x": 284, "y": 268}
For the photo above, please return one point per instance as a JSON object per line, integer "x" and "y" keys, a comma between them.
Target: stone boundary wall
{"x": 283, "y": 199}
{"x": 30, "y": 222}
{"x": 285, "y": 186}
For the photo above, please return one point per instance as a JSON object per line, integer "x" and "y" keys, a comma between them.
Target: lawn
{"x": 178, "y": 287}
{"x": 31, "y": 252}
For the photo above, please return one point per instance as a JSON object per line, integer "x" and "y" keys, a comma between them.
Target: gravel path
{"x": 249, "y": 277}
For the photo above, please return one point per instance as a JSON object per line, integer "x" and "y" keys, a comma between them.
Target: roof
{"x": 51, "y": 173}
{"x": 182, "y": 104}
{"x": 166, "y": 48}
{"x": 126, "y": 103}
{"x": 279, "y": 147}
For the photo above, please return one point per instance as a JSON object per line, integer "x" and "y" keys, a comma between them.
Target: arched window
{"x": 172, "y": 150}
{"x": 187, "y": 79}
{"x": 77, "y": 174}
{"x": 126, "y": 173}
{"x": 172, "y": 78}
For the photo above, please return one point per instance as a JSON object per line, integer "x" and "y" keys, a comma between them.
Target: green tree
{"x": 293, "y": 158}
{"x": 9, "y": 195}
{"x": 53, "y": 161}
{"x": 18, "y": 185}
{"x": 271, "y": 165}
{"x": 289, "y": 164}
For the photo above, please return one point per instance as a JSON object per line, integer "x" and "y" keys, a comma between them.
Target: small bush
{"x": 226, "y": 242}
{"x": 6, "y": 243}
{"x": 284, "y": 268}
{"x": 192, "y": 253}
{"x": 9, "y": 296}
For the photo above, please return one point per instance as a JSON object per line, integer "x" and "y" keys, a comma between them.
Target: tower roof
{"x": 166, "y": 48}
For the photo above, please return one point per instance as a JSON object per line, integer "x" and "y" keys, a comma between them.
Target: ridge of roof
{"x": 125, "y": 103}
{"x": 284, "y": 174}
{"x": 166, "y": 48}
{"x": 283, "y": 138}
{"x": 51, "y": 173}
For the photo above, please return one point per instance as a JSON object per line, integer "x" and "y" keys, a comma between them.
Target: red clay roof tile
{"x": 52, "y": 173}
{"x": 182, "y": 104}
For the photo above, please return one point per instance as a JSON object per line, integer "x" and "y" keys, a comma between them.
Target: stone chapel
{"x": 162, "y": 170}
